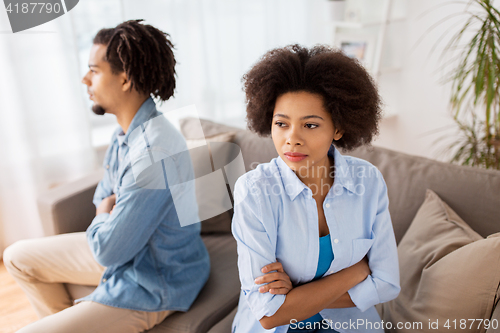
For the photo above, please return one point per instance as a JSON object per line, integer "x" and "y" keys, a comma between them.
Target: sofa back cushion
{"x": 473, "y": 193}
{"x": 255, "y": 149}
{"x": 214, "y": 199}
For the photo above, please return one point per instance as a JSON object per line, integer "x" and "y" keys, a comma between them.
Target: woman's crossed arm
{"x": 308, "y": 299}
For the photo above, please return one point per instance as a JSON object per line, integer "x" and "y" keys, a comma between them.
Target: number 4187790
{"x": 470, "y": 324}
{"x": 34, "y": 7}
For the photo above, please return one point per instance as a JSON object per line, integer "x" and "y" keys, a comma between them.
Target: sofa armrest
{"x": 495, "y": 316}
{"x": 68, "y": 207}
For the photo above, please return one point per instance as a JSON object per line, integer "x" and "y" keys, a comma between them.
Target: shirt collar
{"x": 120, "y": 137}
{"x": 294, "y": 186}
{"x": 143, "y": 114}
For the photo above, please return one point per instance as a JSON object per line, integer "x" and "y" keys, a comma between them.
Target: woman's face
{"x": 303, "y": 131}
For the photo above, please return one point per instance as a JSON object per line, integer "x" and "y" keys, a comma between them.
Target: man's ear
{"x": 126, "y": 83}
{"x": 338, "y": 134}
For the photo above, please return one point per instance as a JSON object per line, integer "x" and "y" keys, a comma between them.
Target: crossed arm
{"x": 126, "y": 220}
{"x": 329, "y": 292}
{"x": 107, "y": 204}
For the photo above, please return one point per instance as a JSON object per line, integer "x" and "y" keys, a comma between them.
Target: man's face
{"x": 104, "y": 87}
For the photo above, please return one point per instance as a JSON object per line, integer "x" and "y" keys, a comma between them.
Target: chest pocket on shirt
{"x": 360, "y": 248}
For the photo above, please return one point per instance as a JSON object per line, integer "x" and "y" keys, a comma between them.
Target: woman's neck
{"x": 320, "y": 178}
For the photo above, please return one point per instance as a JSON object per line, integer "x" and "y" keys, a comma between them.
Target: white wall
{"x": 421, "y": 101}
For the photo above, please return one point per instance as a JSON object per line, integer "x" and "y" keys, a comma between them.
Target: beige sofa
{"x": 473, "y": 193}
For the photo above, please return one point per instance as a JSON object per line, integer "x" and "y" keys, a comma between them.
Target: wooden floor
{"x": 15, "y": 310}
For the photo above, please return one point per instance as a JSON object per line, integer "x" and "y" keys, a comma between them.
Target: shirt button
{"x": 335, "y": 240}
{"x": 107, "y": 166}
{"x": 327, "y": 205}
{"x": 104, "y": 280}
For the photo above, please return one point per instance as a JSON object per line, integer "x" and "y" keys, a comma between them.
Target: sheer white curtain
{"x": 47, "y": 133}
{"x": 44, "y": 127}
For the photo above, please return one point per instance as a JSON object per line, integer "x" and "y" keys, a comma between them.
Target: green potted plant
{"x": 475, "y": 83}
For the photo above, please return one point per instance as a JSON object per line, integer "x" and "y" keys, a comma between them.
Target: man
{"x": 143, "y": 249}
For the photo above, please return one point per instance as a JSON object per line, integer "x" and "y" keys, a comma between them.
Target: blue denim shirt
{"x": 276, "y": 219}
{"x": 153, "y": 261}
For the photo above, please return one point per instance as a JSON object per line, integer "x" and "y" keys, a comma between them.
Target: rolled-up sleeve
{"x": 383, "y": 283}
{"x": 255, "y": 234}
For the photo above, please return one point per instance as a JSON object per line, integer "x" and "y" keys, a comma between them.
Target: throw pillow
{"x": 449, "y": 274}
{"x": 202, "y": 152}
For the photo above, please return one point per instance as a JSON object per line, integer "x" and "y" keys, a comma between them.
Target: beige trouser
{"x": 42, "y": 266}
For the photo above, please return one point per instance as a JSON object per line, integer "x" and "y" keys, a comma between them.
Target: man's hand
{"x": 107, "y": 205}
{"x": 278, "y": 282}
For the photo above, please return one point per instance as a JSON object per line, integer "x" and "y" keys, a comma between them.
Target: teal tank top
{"x": 324, "y": 261}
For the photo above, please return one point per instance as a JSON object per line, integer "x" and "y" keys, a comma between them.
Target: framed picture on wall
{"x": 357, "y": 46}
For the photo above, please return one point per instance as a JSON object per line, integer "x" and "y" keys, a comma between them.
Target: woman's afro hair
{"x": 144, "y": 53}
{"x": 348, "y": 91}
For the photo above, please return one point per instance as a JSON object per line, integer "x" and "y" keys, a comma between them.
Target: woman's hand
{"x": 278, "y": 282}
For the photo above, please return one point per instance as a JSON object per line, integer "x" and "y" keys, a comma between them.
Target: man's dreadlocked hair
{"x": 144, "y": 53}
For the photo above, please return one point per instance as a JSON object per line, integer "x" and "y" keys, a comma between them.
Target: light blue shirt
{"x": 276, "y": 219}
{"x": 152, "y": 262}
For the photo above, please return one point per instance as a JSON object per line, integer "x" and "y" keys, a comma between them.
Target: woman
{"x": 316, "y": 247}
